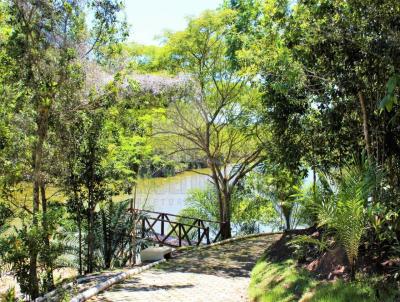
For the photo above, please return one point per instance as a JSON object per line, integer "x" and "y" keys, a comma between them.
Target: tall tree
{"x": 217, "y": 120}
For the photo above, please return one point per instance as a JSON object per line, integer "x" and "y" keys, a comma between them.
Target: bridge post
{"x": 143, "y": 227}
{"x": 180, "y": 234}
{"x": 207, "y": 230}
{"x": 198, "y": 231}
{"x": 162, "y": 225}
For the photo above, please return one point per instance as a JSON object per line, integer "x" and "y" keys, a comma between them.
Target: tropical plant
{"x": 115, "y": 233}
{"x": 347, "y": 218}
{"x": 345, "y": 210}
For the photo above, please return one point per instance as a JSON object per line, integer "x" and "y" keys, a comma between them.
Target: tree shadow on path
{"x": 234, "y": 259}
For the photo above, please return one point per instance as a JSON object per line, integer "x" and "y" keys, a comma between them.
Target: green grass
{"x": 284, "y": 282}
{"x": 340, "y": 291}
{"x": 278, "y": 282}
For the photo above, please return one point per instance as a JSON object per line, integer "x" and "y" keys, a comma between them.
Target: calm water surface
{"x": 168, "y": 194}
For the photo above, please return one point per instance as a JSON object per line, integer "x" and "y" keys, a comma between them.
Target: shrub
{"x": 340, "y": 204}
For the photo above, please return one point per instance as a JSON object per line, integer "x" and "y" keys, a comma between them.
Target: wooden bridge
{"x": 176, "y": 230}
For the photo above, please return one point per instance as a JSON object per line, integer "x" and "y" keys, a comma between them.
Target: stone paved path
{"x": 217, "y": 274}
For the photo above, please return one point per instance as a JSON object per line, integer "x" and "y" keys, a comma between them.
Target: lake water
{"x": 168, "y": 194}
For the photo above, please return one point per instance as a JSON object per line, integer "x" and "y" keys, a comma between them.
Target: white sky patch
{"x": 150, "y": 18}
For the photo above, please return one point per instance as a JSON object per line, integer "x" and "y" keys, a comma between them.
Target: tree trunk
{"x": 79, "y": 222}
{"x": 314, "y": 184}
{"x": 90, "y": 184}
{"x": 287, "y": 220}
{"x": 286, "y": 209}
{"x": 134, "y": 221}
{"x": 90, "y": 217}
{"x": 364, "y": 114}
{"x": 42, "y": 125}
{"x": 225, "y": 202}
{"x": 80, "y": 243}
{"x": 106, "y": 240}
{"x": 34, "y": 283}
{"x": 226, "y": 229}
{"x": 90, "y": 241}
{"x": 47, "y": 257}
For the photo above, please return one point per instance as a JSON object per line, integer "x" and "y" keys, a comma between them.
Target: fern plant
{"x": 344, "y": 210}
{"x": 347, "y": 218}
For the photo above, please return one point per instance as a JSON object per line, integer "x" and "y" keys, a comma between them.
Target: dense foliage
{"x": 291, "y": 105}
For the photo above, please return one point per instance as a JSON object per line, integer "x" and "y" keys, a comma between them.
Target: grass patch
{"x": 278, "y": 282}
{"x": 344, "y": 292}
{"x": 284, "y": 282}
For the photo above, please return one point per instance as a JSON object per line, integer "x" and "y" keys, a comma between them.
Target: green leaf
{"x": 390, "y": 98}
{"x": 391, "y": 84}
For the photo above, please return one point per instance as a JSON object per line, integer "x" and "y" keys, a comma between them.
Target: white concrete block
{"x": 155, "y": 253}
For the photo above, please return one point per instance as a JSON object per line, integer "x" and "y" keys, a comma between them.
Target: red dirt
{"x": 331, "y": 265}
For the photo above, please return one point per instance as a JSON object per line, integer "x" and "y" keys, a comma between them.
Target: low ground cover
{"x": 284, "y": 281}
{"x": 277, "y": 277}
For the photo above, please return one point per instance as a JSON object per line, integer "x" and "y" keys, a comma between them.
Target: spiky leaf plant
{"x": 347, "y": 218}
{"x": 344, "y": 210}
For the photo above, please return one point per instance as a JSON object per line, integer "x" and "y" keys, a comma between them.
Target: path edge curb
{"x": 110, "y": 282}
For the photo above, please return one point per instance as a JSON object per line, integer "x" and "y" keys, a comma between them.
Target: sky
{"x": 149, "y": 18}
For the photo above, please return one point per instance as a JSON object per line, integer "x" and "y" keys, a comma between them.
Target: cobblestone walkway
{"x": 217, "y": 274}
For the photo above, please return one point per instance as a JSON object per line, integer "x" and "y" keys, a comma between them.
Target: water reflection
{"x": 168, "y": 194}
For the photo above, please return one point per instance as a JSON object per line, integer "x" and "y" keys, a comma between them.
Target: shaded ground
{"x": 281, "y": 250}
{"x": 301, "y": 272}
{"x": 220, "y": 273}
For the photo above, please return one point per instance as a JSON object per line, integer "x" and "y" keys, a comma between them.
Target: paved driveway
{"x": 217, "y": 274}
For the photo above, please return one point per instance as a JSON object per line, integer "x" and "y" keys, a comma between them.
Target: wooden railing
{"x": 176, "y": 230}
